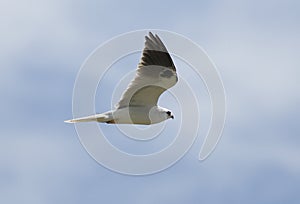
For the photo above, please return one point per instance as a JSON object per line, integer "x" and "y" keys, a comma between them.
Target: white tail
{"x": 97, "y": 118}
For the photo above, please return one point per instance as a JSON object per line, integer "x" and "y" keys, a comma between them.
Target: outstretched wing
{"x": 156, "y": 73}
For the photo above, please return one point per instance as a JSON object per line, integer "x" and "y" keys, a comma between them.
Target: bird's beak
{"x": 172, "y": 116}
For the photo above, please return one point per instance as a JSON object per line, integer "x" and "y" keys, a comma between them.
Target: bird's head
{"x": 169, "y": 114}
{"x": 158, "y": 114}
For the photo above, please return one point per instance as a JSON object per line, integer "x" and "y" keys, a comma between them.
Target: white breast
{"x": 138, "y": 115}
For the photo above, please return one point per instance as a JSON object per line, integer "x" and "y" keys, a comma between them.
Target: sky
{"x": 255, "y": 46}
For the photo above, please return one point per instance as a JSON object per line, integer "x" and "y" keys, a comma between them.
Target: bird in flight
{"x": 155, "y": 74}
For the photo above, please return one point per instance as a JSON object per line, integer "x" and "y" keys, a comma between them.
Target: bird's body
{"x": 155, "y": 74}
{"x": 129, "y": 115}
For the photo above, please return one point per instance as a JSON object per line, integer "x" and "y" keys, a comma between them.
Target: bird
{"x": 155, "y": 74}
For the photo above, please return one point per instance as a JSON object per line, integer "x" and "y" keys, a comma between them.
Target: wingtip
{"x": 150, "y": 35}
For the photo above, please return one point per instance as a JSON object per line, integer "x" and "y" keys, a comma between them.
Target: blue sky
{"x": 255, "y": 45}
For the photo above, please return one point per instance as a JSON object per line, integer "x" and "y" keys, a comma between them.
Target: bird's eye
{"x": 169, "y": 113}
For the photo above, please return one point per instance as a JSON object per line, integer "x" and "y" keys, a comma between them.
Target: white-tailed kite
{"x": 155, "y": 74}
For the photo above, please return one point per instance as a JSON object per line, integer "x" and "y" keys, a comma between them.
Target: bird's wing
{"x": 156, "y": 73}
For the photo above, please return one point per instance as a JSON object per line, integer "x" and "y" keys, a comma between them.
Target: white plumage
{"x": 155, "y": 74}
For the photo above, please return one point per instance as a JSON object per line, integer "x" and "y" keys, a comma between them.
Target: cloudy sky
{"x": 254, "y": 44}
